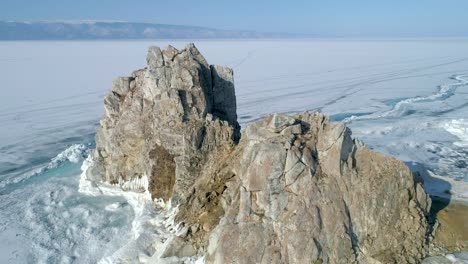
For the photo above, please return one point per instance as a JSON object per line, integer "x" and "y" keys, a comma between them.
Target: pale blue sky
{"x": 357, "y": 18}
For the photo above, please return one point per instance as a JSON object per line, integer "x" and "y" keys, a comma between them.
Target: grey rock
{"x": 121, "y": 86}
{"x": 177, "y": 247}
{"x": 169, "y": 53}
{"x": 279, "y": 122}
{"x": 291, "y": 176}
{"x": 292, "y": 158}
{"x": 154, "y": 58}
{"x": 292, "y": 130}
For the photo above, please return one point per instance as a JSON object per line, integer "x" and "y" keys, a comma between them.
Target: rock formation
{"x": 306, "y": 192}
{"x": 165, "y": 121}
{"x": 292, "y": 189}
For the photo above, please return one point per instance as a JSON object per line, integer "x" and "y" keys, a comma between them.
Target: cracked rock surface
{"x": 315, "y": 195}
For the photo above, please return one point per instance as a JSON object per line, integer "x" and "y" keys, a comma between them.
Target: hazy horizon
{"x": 360, "y": 18}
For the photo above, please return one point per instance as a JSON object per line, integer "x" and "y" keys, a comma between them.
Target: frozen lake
{"x": 406, "y": 98}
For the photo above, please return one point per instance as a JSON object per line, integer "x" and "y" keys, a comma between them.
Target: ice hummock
{"x": 75, "y": 153}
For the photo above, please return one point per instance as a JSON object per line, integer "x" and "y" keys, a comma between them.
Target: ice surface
{"x": 46, "y": 220}
{"x": 456, "y": 258}
{"x": 406, "y": 98}
{"x": 74, "y": 154}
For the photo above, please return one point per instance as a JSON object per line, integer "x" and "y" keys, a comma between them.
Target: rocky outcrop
{"x": 164, "y": 121}
{"x": 306, "y": 192}
{"x": 293, "y": 189}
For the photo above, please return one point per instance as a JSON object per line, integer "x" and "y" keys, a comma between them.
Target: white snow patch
{"x": 74, "y": 154}
{"x": 458, "y": 258}
{"x": 153, "y": 225}
{"x": 458, "y": 128}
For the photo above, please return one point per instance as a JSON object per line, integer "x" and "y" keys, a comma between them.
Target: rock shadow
{"x": 438, "y": 189}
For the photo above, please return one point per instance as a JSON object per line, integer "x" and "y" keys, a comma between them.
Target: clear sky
{"x": 357, "y": 18}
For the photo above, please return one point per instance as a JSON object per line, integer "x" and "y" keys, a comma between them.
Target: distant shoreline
{"x": 315, "y": 39}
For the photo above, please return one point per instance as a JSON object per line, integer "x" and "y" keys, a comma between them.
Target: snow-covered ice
{"x": 404, "y": 97}
{"x": 459, "y": 128}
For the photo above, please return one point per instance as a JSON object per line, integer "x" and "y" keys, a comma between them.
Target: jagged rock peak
{"x": 158, "y": 58}
{"x": 165, "y": 120}
{"x": 203, "y": 88}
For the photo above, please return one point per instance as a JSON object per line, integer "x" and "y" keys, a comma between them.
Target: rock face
{"x": 306, "y": 192}
{"x": 292, "y": 190}
{"x": 165, "y": 120}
